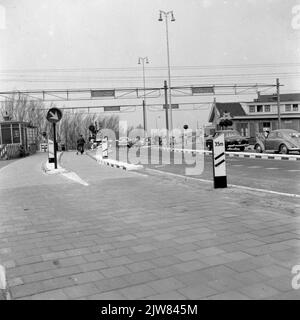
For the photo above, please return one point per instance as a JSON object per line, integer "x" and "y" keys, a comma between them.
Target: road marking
{"x": 294, "y": 170}
{"x": 254, "y": 167}
{"x": 271, "y": 168}
{"x": 237, "y": 165}
{"x": 73, "y": 176}
{"x": 293, "y": 195}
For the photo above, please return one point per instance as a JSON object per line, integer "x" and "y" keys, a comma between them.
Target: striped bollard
{"x": 219, "y": 164}
{"x": 105, "y": 147}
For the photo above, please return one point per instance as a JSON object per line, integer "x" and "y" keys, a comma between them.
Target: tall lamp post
{"x": 142, "y": 61}
{"x": 166, "y": 15}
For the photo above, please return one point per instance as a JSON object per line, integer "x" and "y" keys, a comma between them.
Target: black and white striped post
{"x": 219, "y": 163}
{"x": 105, "y": 147}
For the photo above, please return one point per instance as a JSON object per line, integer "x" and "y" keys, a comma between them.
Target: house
{"x": 253, "y": 117}
{"x": 13, "y": 134}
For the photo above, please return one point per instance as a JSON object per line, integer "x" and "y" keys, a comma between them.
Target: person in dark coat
{"x": 80, "y": 144}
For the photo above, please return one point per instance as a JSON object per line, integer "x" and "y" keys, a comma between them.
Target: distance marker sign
{"x": 54, "y": 115}
{"x": 219, "y": 164}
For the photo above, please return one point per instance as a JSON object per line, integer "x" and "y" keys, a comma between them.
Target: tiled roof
{"x": 234, "y": 108}
{"x": 283, "y": 97}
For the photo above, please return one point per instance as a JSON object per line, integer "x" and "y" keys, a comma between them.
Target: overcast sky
{"x": 68, "y": 43}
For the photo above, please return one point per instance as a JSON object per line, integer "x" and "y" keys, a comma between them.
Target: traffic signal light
{"x": 92, "y": 128}
{"x": 44, "y": 134}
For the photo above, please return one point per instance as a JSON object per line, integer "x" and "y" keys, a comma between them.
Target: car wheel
{"x": 242, "y": 149}
{"x": 283, "y": 149}
{"x": 258, "y": 148}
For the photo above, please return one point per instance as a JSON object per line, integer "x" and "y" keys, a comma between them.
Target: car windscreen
{"x": 294, "y": 134}
{"x": 231, "y": 133}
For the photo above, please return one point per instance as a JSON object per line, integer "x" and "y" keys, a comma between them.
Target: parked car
{"x": 124, "y": 142}
{"x": 232, "y": 140}
{"x": 281, "y": 140}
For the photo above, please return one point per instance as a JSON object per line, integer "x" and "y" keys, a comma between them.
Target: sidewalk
{"x": 134, "y": 235}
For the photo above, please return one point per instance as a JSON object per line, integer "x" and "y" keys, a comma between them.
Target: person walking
{"x": 80, "y": 144}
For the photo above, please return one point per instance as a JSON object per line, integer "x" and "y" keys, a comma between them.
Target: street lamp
{"x": 143, "y": 60}
{"x": 166, "y": 15}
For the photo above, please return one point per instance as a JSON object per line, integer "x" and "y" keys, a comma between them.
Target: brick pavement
{"x": 132, "y": 236}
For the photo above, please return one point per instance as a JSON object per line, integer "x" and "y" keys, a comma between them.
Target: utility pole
{"x": 141, "y": 59}
{"x": 278, "y": 102}
{"x": 167, "y": 108}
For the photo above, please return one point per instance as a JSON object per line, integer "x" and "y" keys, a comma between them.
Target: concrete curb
{"x": 243, "y": 154}
{"x": 48, "y": 168}
{"x": 116, "y": 164}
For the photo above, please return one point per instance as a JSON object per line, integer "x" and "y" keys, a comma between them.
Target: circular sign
{"x": 185, "y": 127}
{"x": 54, "y": 115}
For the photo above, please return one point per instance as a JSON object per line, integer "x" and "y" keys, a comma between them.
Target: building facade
{"x": 250, "y": 118}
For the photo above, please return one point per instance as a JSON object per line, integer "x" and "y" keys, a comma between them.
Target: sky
{"x": 61, "y": 44}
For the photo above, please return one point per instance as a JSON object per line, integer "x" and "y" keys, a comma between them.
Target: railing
{"x": 9, "y": 151}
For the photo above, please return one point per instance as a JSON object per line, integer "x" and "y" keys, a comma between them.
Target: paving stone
{"x": 111, "y": 295}
{"x": 87, "y": 277}
{"x": 83, "y": 290}
{"x": 164, "y": 285}
{"x": 250, "y": 277}
{"x": 211, "y": 251}
{"x": 115, "y": 271}
{"x": 274, "y": 271}
{"x": 97, "y": 265}
{"x": 282, "y": 283}
{"x": 137, "y": 292}
{"x": 170, "y": 295}
{"x": 117, "y": 261}
{"x": 140, "y": 266}
{"x": 111, "y": 284}
{"x": 187, "y": 256}
{"x": 229, "y": 295}
{"x": 27, "y": 290}
{"x": 190, "y": 266}
{"x": 225, "y": 284}
{"x": 259, "y": 291}
{"x": 49, "y": 295}
{"x": 197, "y": 291}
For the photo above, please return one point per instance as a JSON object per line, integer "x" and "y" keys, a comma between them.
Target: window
{"x": 272, "y": 135}
{"x": 287, "y": 107}
{"x": 267, "y": 108}
{"x": 295, "y": 107}
{"x": 259, "y": 108}
{"x": 266, "y": 125}
{"x": 251, "y": 108}
{"x": 6, "y": 134}
{"x": 244, "y": 129}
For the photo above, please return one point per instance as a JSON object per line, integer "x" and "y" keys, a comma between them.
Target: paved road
{"x": 275, "y": 175}
{"x": 131, "y": 236}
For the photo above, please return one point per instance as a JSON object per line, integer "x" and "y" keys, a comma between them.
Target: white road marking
{"x": 73, "y": 176}
{"x": 254, "y": 167}
{"x": 237, "y": 165}
{"x": 294, "y": 170}
{"x": 293, "y": 195}
{"x": 271, "y": 168}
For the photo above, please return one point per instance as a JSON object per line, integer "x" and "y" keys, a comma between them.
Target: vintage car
{"x": 124, "y": 142}
{"x": 281, "y": 140}
{"x": 232, "y": 140}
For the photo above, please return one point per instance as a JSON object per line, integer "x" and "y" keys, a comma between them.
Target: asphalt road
{"x": 274, "y": 175}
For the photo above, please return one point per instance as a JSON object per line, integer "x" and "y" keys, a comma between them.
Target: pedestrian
{"x": 80, "y": 144}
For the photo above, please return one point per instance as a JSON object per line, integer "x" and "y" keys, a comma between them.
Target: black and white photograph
{"x": 149, "y": 153}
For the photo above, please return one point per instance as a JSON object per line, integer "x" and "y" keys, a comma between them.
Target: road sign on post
{"x": 219, "y": 164}
{"x": 54, "y": 115}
